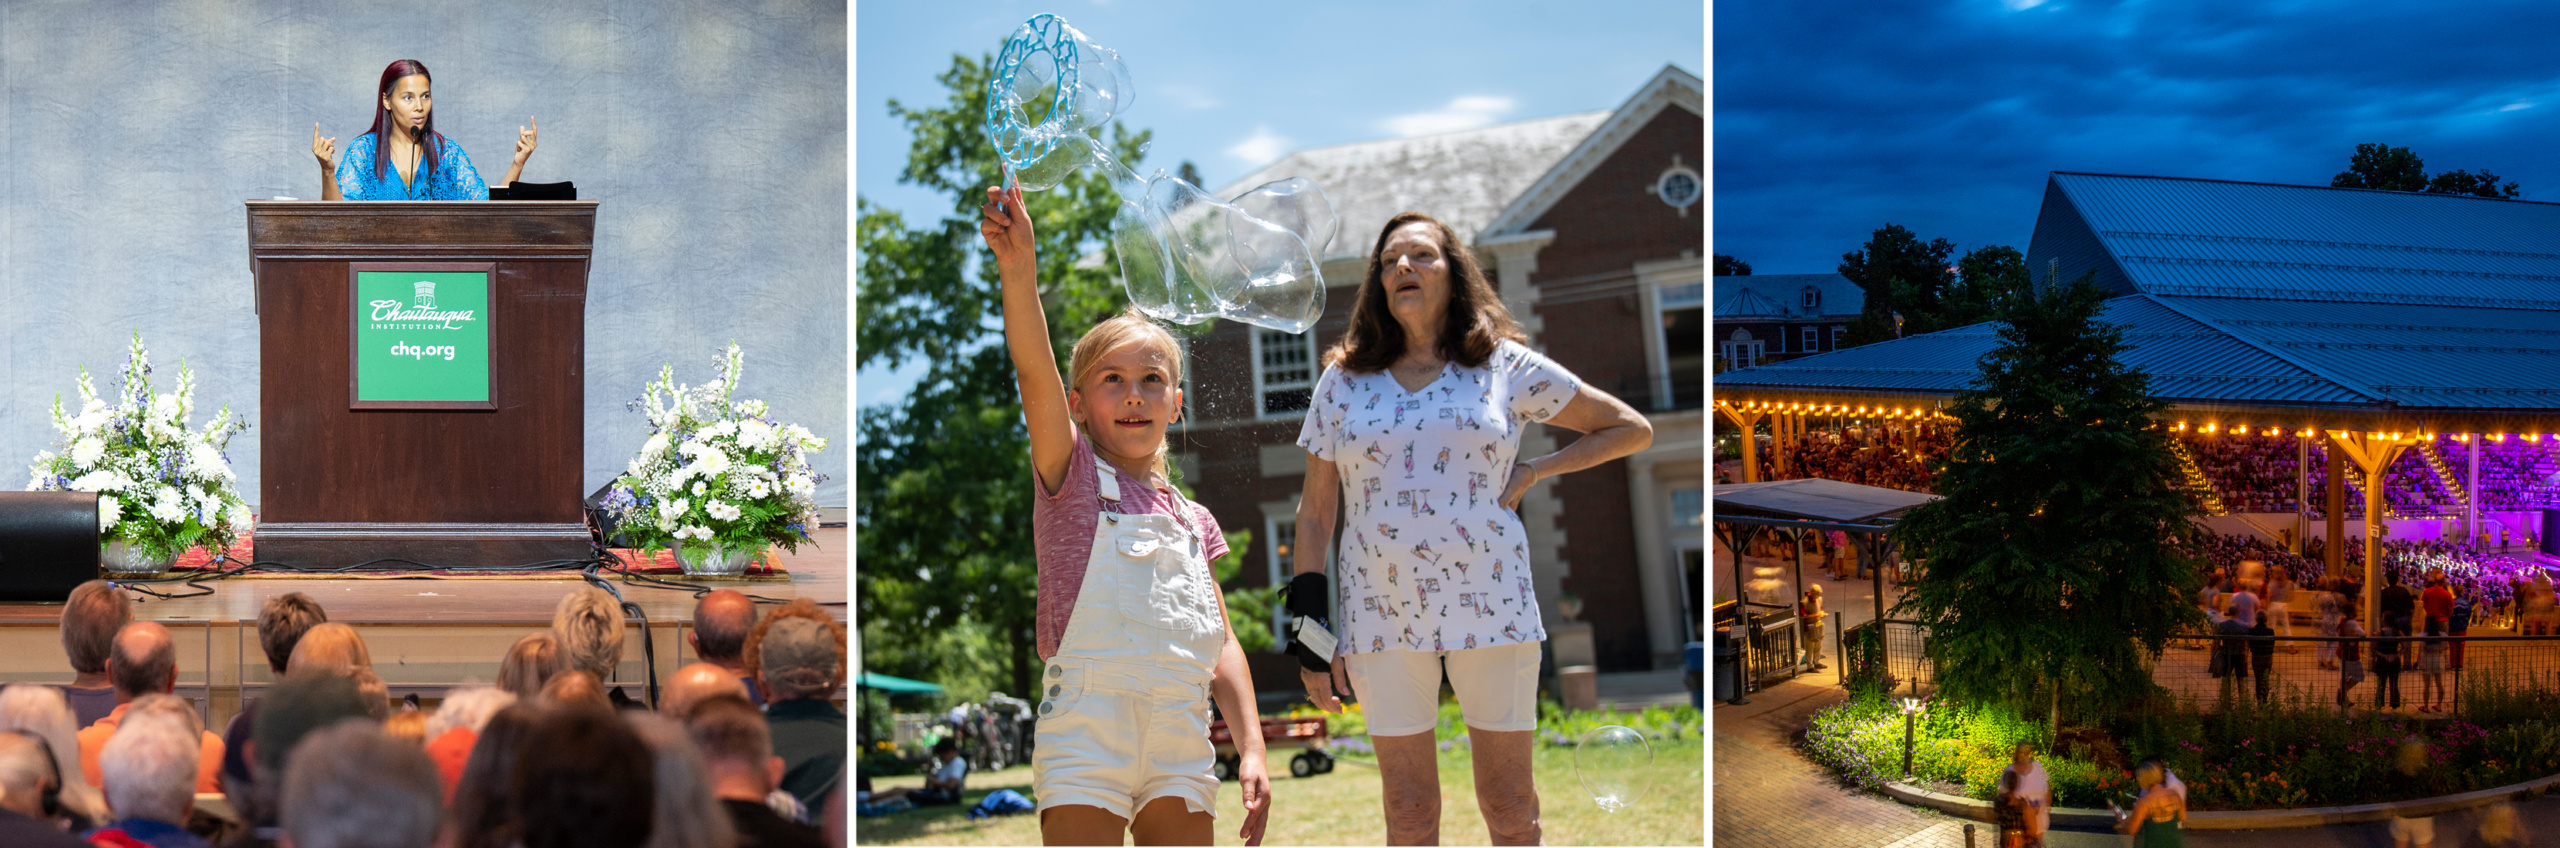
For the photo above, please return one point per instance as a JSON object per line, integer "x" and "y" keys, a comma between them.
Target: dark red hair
{"x": 393, "y": 73}
{"x": 1477, "y": 322}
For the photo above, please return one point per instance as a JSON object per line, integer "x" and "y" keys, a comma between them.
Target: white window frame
{"x": 1279, "y": 572}
{"x": 1811, "y": 298}
{"x": 1813, "y": 340}
{"x": 1743, "y": 352}
{"x": 1679, "y": 284}
{"x": 1262, "y": 387}
{"x": 1685, "y": 519}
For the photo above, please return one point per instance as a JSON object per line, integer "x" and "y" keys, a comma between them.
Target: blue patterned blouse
{"x": 453, "y": 178}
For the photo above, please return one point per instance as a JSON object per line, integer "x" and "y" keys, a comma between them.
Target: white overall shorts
{"x": 1124, "y": 710}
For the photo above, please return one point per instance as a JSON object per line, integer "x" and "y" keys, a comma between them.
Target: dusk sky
{"x": 1832, "y": 119}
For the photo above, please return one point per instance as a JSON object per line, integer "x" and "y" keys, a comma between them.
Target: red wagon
{"x": 1307, "y": 733}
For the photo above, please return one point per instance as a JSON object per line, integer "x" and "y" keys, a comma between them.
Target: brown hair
{"x": 90, "y": 619}
{"x": 281, "y": 622}
{"x": 530, "y": 663}
{"x": 1477, "y": 324}
{"x": 1127, "y": 328}
{"x": 575, "y": 687}
{"x": 332, "y": 647}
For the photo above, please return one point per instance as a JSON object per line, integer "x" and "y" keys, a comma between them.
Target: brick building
{"x": 1776, "y": 317}
{"x": 1588, "y": 225}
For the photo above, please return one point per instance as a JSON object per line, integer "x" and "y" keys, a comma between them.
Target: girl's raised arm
{"x": 1006, "y": 225}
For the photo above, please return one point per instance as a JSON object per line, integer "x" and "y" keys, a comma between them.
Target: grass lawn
{"x": 1343, "y": 808}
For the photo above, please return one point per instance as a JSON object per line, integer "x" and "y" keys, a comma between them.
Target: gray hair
{"x": 588, "y": 626}
{"x": 468, "y": 708}
{"x": 42, "y": 710}
{"x": 150, "y": 767}
{"x": 350, "y": 785}
{"x": 686, "y": 814}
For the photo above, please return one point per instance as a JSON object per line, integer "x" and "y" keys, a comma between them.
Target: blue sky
{"x": 1832, "y": 119}
{"x": 1233, "y": 86}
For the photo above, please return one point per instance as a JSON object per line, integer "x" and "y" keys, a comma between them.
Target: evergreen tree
{"x": 2053, "y": 559}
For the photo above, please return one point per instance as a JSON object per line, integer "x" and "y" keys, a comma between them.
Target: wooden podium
{"x": 493, "y": 483}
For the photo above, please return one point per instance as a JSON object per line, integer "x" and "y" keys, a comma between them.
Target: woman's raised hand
{"x": 324, "y": 149}
{"x": 526, "y": 137}
{"x": 1006, "y": 225}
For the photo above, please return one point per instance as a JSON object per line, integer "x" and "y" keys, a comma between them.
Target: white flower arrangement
{"x": 162, "y": 487}
{"x": 716, "y": 474}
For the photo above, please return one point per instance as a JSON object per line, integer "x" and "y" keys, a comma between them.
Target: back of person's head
{"x": 176, "y": 708}
{"x": 591, "y": 786}
{"x": 329, "y": 647}
{"x": 467, "y": 708}
{"x": 483, "y": 813}
{"x": 797, "y": 652}
{"x": 407, "y": 726}
{"x": 351, "y": 785}
{"x": 588, "y": 625}
{"x": 530, "y": 663}
{"x": 376, "y": 693}
{"x": 90, "y": 619}
{"x": 731, "y": 733}
{"x": 43, "y": 712}
{"x": 574, "y": 688}
{"x": 145, "y": 660}
{"x": 687, "y": 814}
{"x": 297, "y": 705}
{"x": 945, "y": 747}
{"x": 149, "y": 767}
{"x": 281, "y": 622}
{"x": 720, "y": 624}
{"x": 694, "y": 683}
{"x": 28, "y": 771}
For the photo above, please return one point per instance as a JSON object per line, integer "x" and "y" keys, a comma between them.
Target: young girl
{"x": 2431, "y": 651}
{"x": 1130, "y": 619}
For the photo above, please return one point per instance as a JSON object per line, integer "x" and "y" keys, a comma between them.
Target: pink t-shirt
{"x": 1062, "y": 534}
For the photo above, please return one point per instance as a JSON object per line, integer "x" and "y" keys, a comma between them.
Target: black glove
{"x": 1311, "y": 638}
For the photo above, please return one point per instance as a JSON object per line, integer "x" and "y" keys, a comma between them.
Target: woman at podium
{"x": 403, "y": 157}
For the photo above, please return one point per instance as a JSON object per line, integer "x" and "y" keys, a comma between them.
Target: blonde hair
{"x": 529, "y": 663}
{"x": 1127, "y": 328}
{"x": 588, "y": 626}
{"x": 332, "y": 647}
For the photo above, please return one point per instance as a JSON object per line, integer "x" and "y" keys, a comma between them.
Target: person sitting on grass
{"x": 941, "y": 784}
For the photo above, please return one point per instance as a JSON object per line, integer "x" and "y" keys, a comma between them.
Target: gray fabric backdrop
{"x": 713, "y": 132}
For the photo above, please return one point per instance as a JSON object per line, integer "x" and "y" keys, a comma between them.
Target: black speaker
{"x": 535, "y": 191}
{"x": 48, "y": 544}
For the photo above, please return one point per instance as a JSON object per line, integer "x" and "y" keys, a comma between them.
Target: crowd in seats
{"x": 745, "y": 751}
{"x": 2492, "y": 581}
{"x": 2514, "y": 473}
{"x": 2256, "y": 473}
{"x": 1866, "y": 456}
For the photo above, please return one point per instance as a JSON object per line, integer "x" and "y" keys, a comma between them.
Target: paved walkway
{"x": 1768, "y": 794}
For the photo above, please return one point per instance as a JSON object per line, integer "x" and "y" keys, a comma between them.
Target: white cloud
{"x": 1260, "y": 148}
{"x": 1464, "y": 113}
{"x": 1187, "y": 96}
{"x": 2520, "y": 104}
{"x": 2021, "y": 5}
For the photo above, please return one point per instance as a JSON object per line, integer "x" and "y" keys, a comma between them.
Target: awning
{"x": 899, "y": 685}
{"x": 1816, "y": 499}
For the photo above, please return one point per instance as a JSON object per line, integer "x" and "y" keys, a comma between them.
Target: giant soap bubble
{"x": 1614, "y": 764}
{"x": 1185, "y": 255}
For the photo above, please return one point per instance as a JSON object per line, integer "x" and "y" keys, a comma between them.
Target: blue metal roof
{"x": 1780, "y": 297}
{"x": 2216, "y": 238}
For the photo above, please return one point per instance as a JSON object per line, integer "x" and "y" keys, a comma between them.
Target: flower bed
{"x": 2276, "y": 757}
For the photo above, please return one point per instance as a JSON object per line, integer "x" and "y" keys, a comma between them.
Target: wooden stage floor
{"x": 818, "y": 571}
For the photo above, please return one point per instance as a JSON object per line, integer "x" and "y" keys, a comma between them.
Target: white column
{"x": 1515, "y": 257}
{"x": 1662, "y": 608}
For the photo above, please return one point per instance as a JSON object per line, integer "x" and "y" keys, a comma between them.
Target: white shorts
{"x": 1119, "y": 737}
{"x": 1399, "y": 690}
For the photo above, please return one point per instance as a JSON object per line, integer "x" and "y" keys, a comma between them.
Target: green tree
{"x": 1899, "y": 272}
{"x": 943, "y": 478}
{"x": 2053, "y": 559}
{"x": 1727, "y": 266}
{"x": 1988, "y": 278}
{"x": 2383, "y": 166}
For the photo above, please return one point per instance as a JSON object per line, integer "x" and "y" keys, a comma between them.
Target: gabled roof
{"x": 1780, "y": 297}
{"x": 1463, "y": 178}
{"x": 1670, "y": 87}
{"x": 2219, "y": 238}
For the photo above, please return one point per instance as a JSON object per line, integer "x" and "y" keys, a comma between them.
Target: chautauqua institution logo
{"x": 420, "y": 314}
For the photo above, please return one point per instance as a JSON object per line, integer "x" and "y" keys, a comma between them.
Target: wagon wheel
{"x": 1301, "y": 765}
{"x": 1225, "y": 769}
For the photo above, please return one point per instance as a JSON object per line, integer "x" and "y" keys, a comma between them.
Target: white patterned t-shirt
{"x": 1429, "y": 558}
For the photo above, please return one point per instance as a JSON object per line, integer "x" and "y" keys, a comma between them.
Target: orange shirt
{"x": 93, "y": 739}
{"x": 2438, "y": 602}
{"x": 451, "y": 752}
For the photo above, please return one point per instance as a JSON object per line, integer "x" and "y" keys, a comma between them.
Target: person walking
{"x": 2350, "y": 670}
{"x": 2280, "y": 590}
{"x": 2230, "y": 656}
{"x": 2159, "y": 818}
{"x": 2330, "y": 606}
{"x": 1809, "y": 611}
{"x": 2262, "y": 656}
{"x": 2033, "y": 793}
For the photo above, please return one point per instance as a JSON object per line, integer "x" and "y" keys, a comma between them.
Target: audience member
{"x": 688, "y": 815}
{"x": 28, "y": 782}
{"x": 483, "y": 812}
{"x": 588, "y": 626}
{"x": 330, "y": 647}
{"x": 590, "y": 787}
{"x": 407, "y": 725}
{"x": 42, "y": 712}
{"x": 377, "y": 694}
{"x": 737, "y": 748}
{"x": 297, "y": 706}
{"x": 351, "y": 785}
{"x": 144, "y": 662}
{"x": 150, "y": 768}
{"x": 945, "y": 777}
{"x": 691, "y": 684}
{"x": 93, "y": 615}
{"x": 530, "y": 663}
{"x": 455, "y": 728}
{"x": 282, "y": 621}
{"x": 574, "y": 688}
{"x": 799, "y": 656}
{"x": 720, "y": 624}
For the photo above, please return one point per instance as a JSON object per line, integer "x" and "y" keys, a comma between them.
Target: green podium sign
{"x": 421, "y": 335}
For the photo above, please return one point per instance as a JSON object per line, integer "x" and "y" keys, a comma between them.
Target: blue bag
{"x": 1002, "y": 802}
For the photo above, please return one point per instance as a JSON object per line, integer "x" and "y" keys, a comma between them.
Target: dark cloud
{"x": 1832, "y": 119}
